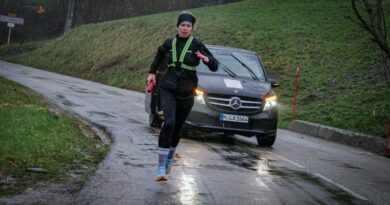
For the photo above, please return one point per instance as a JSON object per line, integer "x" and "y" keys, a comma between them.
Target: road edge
{"x": 65, "y": 192}
{"x": 359, "y": 140}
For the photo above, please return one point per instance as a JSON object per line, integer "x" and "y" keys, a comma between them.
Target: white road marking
{"x": 356, "y": 195}
{"x": 289, "y": 161}
{"x": 341, "y": 187}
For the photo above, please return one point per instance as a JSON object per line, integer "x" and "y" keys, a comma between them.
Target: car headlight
{"x": 270, "y": 102}
{"x": 199, "y": 96}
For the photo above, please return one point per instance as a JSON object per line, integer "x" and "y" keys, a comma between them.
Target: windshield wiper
{"x": 245, "y": 66}
{"x": 227, "y": 70}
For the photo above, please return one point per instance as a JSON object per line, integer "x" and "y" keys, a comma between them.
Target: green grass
{"x": 341, "y": 82}
{"x": 15, "y": 49}
{"x": 33, "y": 137}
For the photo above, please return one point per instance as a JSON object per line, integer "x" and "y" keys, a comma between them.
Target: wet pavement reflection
{"x": 207, "y": 169}
{"x": 188, "y": 188}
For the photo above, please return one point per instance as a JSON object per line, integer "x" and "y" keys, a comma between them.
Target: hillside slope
{"x": 341, "y": 81}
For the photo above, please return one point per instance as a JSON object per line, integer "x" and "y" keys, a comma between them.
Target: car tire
{"x": 265, "y": 141}
{"x": 154, "y": 121}
{"x": 228, "y": 138}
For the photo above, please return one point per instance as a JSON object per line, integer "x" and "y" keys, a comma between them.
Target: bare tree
{"x": 371, "y": 18}
{"x": 69, "y": 16}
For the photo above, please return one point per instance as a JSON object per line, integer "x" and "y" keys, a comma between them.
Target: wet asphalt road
{"x": 298, "y": 169}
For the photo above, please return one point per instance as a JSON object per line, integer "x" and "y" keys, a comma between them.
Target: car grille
{"x": 228, "y": 103}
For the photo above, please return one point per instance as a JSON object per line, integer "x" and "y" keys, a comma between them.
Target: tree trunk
{"x": 69, "y": 16}
{"x": 386, "y": 67}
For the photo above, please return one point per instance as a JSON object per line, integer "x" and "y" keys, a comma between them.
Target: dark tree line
{"x": 36, "y": 25}
{"x": 61, "y": 15}
{"x": 103, "y": 10}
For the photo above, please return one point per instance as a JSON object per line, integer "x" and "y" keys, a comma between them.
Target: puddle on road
{"x": 247, "y": 163}
{"x": 106, "y": 115}
{"x": 111, "y": 92}
{"x": 66, "y": 102}
{"x": 147, "y": 144}
{"x": 79, "y": 89}
{"x": 212, "y": 138}
{"x": 336, "y": 194}
{"x": 126, "y": 163}
{"x": 312, "y": 185}
{"x": 344, "y": 165}
{"x": 60, "y": 97}
{"x": 38, "y": 77}
{"x": 303, "y": 182}
{"x": 238, "y": 156}
{"x": 307, "y": 186}
{"x": 121, "y": 155}
{"x": 218, "y": 167}
{"x": 134, "y": 121}
{"x": 350, "y": 166}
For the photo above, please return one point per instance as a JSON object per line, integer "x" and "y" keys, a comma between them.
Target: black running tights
{"x": 176, "y": 110}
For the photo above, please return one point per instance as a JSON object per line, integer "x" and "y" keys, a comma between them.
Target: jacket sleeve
{"x": 213, "y": 63}
{"x": 159, "y": 58}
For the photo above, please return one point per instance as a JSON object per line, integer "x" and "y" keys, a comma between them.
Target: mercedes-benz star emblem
{"x": 235, "y": 103}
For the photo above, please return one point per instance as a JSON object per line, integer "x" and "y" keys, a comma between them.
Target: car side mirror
{"x": 273, "y": 83}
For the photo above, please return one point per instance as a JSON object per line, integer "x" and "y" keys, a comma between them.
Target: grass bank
{"x": 341, "y": 81}
{"x": 31, "y": 136}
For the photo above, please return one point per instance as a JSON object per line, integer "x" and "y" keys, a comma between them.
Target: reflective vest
{"x": 183, "y": 53}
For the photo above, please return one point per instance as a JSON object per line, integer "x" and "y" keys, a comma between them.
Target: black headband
{"x": 186, "y": 17}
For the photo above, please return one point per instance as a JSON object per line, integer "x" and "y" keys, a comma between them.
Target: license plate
{"x": 234, "y": 118}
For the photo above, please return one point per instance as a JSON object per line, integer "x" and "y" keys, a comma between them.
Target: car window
{"x": 235, "y": 64}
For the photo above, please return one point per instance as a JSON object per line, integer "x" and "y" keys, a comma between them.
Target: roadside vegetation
{"x": 341, "y": 81}
{"x": 16, "y": 49}
{"x": 38, "y": 145}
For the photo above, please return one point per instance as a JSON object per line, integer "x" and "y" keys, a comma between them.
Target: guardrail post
{"x": 296, "y": 83}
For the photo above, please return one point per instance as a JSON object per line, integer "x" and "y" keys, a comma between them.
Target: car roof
{"x": 216, "y": 47}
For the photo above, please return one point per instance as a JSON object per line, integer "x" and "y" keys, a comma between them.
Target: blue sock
{"x": 162, "y": 160}
{"x": 170, "y": 160}
{"x": 171, "y": 152}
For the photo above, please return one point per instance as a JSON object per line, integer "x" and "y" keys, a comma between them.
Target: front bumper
{"x": 204, "y": 118}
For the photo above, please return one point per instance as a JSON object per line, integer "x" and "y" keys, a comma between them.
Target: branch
{"x": 374, "y": 23}
{"x": 363, "y": 23}
{"x": 382, "y": 14}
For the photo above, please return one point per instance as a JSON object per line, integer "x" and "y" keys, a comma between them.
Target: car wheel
{"x": 184, "y": 131}
{"x": 265, "y": 141}
{"x": 228, "y": 138}
{"x": 154, "y": 121}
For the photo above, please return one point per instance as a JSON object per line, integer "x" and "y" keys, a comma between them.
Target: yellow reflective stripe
{"x": 182, "y": 55}
{"x": 185, "y": 49}
{"x": 183, "y": 66}
{"x": 174, "y": 54}
{"x": 188, "y": 67}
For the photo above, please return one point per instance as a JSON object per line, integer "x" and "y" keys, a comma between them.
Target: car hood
{"x": 226, "y": 85}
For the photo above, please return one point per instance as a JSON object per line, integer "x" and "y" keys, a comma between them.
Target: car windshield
{"x": 235, "y": 64}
